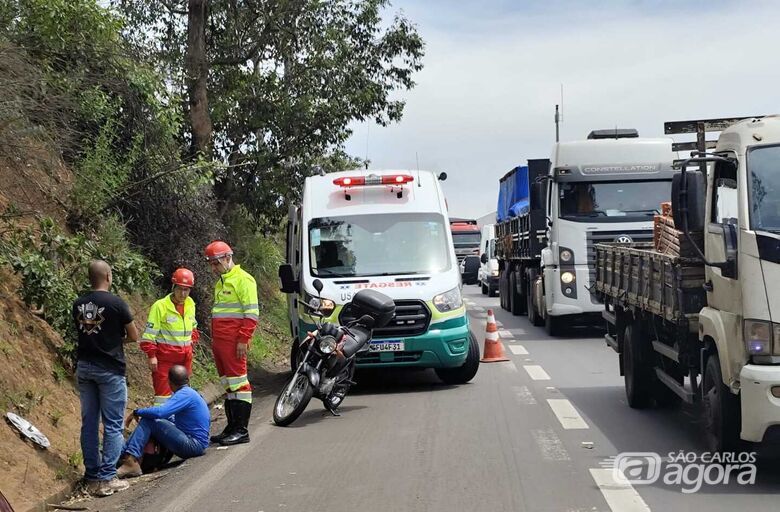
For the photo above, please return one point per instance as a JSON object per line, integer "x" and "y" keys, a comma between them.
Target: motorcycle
{"x": 327, "y": 356}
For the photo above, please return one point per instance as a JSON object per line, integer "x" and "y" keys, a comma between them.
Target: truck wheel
{"x": 502, "y": 291}
{"x": 636, "y": 375}
{"x": 722, "y": 414}
{"x": 465, "y": 372}
{"x": 515, "y": 299}
{"x": 531, "y": 310}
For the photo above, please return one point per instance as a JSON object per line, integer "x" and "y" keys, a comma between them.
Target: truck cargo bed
{"x": 638, "y": 276}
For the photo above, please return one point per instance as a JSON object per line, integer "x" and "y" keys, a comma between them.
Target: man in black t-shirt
{"x": 102, "y": 320}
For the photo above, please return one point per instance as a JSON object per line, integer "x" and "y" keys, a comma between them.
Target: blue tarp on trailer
{"x": 513, "y": 196}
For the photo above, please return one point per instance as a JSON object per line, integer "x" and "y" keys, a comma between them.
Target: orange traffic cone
{"x": 494, "y": 349}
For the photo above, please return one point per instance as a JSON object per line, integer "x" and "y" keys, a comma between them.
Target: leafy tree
{"x": 285, "y": 79}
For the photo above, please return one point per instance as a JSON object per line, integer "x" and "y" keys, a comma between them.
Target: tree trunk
{"x": 197, "y": 78}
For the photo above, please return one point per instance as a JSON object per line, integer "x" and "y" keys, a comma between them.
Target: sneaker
{"x": 99, "y": 488}
{"x": 117, "y": 485}
{"x": 130, "y": 468}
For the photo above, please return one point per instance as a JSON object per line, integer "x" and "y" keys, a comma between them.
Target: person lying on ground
{"x": 186, "y": 436}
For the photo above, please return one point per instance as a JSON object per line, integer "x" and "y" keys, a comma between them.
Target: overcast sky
{"x": 484, "y": 102}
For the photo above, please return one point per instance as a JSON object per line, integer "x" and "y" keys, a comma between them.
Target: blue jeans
{"x": 103, "y": 396}
{"x": 167, "y": 434}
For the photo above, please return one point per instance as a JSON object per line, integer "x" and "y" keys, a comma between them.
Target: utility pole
{"x": 557, "y": 125}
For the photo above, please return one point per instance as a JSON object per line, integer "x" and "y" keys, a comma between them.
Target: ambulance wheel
{"x": 464, "y": 373}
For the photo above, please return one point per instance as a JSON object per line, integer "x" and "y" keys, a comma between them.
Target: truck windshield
{"x": 764, "y": 167}
{"x": 619, "y": 201}
{"x": 378, "y": 244}
{"x": 466, "y": 239}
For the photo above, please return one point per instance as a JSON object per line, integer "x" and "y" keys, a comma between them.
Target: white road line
{"x": 550, "y": 445}
{"x": 566, "y": 413}
{"x": 518, "y": 350}
{"x": 524, "y": 395}
{"x": 505, "y": 334}
{"x": 620, "y": 496}
{"x": 477, "y": 308}
{"x": 499, "y": 324}
{"x": 536, "y": 372}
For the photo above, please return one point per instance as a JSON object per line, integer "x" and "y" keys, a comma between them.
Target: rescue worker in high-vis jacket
{"x": 233, "y": 321}
{"x": 171, "y": 330}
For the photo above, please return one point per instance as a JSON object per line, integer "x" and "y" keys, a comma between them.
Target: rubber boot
{"x": 230, "y": 422}
{"x": 240, "y": 433}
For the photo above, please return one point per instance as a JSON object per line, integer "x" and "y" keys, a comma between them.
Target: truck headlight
{"x": 448, "y": 301}
{"x": 566, "y": 255}
{"x": 567, "y": 277}
{"x": 494, "y": 273}
{"x": 758, "y": 337}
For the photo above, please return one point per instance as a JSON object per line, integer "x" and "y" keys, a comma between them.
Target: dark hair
{"x": 178, "y": 375}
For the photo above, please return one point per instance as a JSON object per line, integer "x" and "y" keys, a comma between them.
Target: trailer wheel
{"x": 722, "y": 414}
{"x": 637, "y": 377}
{"x": 533, "y": 313}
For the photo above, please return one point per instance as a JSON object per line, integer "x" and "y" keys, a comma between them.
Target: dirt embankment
{"x": 35, "y": 382}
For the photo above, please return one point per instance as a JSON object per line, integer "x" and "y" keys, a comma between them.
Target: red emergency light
{"x": 373, "y": 179}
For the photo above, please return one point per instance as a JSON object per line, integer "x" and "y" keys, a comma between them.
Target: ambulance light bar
{"x": 373, "y": 179}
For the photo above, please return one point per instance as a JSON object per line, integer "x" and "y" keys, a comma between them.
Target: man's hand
{"x": 153, "y": 364}
{"x": 241, "y": 350}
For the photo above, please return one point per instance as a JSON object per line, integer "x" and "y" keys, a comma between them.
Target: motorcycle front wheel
{"x": 293, "y": 400}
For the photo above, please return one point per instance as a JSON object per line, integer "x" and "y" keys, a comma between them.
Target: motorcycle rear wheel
{"x": 293, "y": 399}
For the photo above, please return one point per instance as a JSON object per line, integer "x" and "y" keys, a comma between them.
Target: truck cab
{"x": 741, "y": 226}
{"x": 603, "y": 189}
{"x": 384, "y": 230}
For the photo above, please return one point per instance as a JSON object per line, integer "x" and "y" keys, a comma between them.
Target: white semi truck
{"x": 704, "y": 326}
{"x": 603, "y": 189}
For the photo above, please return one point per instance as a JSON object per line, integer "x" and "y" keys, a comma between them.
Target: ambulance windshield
{"x": 378, "y": 244}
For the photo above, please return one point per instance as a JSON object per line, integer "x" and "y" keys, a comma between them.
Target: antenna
{"x": 557, "y": 124}
{"x": 417, "y": 158}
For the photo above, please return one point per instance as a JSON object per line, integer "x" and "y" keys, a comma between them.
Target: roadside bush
{"x": 53, "y": 268}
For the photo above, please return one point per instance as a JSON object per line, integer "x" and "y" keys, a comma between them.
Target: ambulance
{"x": 389, "y": 231}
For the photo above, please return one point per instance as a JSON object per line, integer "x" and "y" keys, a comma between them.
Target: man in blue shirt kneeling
{"x": 186, "y": 436}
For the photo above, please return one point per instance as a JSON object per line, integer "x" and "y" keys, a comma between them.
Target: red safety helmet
{"x": 217, "y": 249}
{"x": 183, "y": 277}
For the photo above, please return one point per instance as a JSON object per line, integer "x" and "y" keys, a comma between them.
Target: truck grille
{"x": 598, "y": 237}
{"x": 411, "y": 318}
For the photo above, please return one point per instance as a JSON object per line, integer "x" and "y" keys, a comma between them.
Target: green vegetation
{"x": 177, "y": 128}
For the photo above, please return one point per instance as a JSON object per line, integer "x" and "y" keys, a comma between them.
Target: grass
{"x": 272, "y": 337}
{"x": 59, "y": 373}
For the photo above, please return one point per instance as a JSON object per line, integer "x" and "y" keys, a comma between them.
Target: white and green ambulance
{"x": 389, "y": 231}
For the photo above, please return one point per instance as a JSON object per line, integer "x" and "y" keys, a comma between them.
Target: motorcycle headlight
{"x": 327, "y": 344}
{"x": 758, "y": 337}
{"x": 494, "y": 273}
{"x": 448, "y": 301}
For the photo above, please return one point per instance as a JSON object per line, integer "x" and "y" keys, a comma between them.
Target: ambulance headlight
{"x": 448, "y": 301}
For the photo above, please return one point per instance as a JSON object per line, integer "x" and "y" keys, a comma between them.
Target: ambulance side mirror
{"x": 287, "y": 277}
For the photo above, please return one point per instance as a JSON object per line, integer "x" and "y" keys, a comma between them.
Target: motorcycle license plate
{"x": 387, "y": 346}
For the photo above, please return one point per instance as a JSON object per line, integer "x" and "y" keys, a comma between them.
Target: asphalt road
{"x": 533, "y": 434}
